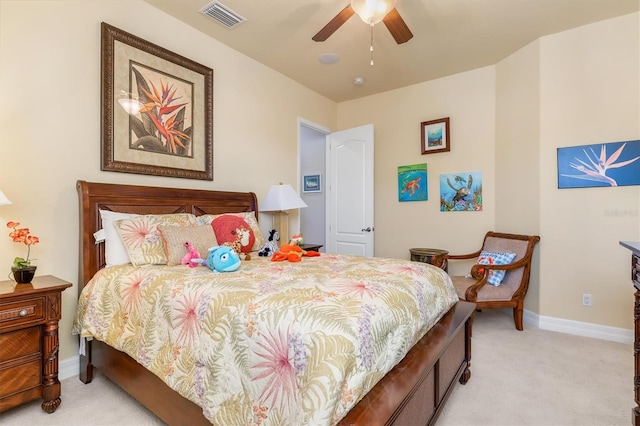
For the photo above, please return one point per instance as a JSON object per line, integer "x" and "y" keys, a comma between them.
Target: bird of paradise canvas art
{"x": 599, "y": 165}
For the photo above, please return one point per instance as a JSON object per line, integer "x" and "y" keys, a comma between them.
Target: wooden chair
{"x": 513, "y": 288}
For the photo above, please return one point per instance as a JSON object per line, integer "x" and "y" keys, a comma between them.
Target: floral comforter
{"x": 272, "y": 343}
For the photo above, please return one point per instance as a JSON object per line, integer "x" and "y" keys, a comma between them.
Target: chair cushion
{"x": 495, "y": 258}
{"x": 486, "y": 293}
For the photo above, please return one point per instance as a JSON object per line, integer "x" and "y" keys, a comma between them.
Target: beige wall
{"x": 518, "y": 153}
{"x": 573, "y": 88}
{"x": 50, "y": 121}
{"x": 468, "y": 99}
{"x": 588, "y": 94}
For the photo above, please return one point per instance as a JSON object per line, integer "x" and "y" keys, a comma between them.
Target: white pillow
{"x": 115, "y": 251}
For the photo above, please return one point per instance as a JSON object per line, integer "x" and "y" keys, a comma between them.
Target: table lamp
{"x": 3, "y": 199}
{"x": 279, "y": 199}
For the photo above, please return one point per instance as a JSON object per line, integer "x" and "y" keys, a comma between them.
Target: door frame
{"x": 327, "y": 169}
{"x": 302, "y": 122}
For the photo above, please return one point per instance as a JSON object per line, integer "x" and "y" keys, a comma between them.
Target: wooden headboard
{"x": 94, "y": 197}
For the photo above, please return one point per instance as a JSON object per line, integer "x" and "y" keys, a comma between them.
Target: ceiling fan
{"x": 371, "y": 12}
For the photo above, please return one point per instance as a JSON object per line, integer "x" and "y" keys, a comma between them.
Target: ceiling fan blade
{"x": 397, "y": 27}
{"x": 334, "y": 24}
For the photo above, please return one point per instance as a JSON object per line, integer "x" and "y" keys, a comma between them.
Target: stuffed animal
{"x": 234, "y": 230}
{"x": 221, "y": 259}
{"x": 192, "y": 254}
{"x": 292, "y": 253}
{"x": 242, "y": 234}
{"x": 297, "y": 239}
{"x": 271, "y": 246}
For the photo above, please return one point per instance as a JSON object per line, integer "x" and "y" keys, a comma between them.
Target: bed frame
{"x": 414, "y": 392}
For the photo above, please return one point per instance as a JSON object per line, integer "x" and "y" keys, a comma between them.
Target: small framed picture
{"x": 311, "y": 183}
{"x": 435, "y": 136}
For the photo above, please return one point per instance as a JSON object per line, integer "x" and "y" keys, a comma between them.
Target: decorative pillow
{"x": 201, "y": 237}
{"x": 235, "y": 230}
{"x": 115, "y": 251}
{"x": 226, "y": 227}
{"x": 142, "y": 239}
{"x": 495, "y": 258}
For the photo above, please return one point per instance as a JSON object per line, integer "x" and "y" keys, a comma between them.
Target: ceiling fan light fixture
{"x": 372, "y": 11}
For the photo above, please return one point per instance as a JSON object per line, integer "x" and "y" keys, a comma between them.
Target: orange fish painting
{"x": 412, "y": 183}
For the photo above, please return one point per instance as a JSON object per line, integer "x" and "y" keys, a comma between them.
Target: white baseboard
{"x": 578, "y": 328}
{"x": 68, "y": 367}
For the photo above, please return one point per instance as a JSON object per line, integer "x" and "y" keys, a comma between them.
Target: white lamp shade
{"x": 372, "y": 11}
{"x": 4, "y": 200}
{"x": 280, "y": 198}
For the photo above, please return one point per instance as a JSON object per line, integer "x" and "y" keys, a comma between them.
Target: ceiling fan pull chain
{"x": 371, "y": 45}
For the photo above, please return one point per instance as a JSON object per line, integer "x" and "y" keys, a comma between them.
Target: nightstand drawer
{"x": 19, "y": 343}
{"x": 21, "y": 377}
{"x": 30, "y": 311}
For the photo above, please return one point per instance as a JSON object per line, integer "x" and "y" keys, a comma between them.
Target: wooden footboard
{"x": 415, "y": 391}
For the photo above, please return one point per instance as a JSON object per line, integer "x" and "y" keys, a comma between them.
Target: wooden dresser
{"x": 634, "y": 246}
{"x": 29, "y": 315}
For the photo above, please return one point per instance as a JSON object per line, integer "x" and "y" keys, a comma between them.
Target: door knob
{"x": 367, "y": 229}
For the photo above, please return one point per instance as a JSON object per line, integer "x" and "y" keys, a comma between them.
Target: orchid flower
{"x": 22, "y": 235}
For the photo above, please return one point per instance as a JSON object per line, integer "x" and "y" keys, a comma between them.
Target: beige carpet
{"x": 533, "y": 377}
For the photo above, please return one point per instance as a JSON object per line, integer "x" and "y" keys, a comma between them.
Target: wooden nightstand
{"x": 29, "y": 315}
{"x": 311, "y": 247}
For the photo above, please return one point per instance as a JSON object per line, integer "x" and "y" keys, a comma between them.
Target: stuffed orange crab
{"x": 292, "y": 253}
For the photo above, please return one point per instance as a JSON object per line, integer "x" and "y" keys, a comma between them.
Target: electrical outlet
{"x": 586, "y": 299}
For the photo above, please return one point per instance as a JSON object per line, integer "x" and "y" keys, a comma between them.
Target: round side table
{"x": 425, "y": 255}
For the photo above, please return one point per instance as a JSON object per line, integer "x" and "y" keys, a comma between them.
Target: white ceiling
{"x": 450, "y": 36}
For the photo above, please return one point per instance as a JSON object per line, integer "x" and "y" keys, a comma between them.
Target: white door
{"x": 350, "y": 191}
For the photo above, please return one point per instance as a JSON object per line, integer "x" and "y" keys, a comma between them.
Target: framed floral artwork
{"x": 157, "y": 109}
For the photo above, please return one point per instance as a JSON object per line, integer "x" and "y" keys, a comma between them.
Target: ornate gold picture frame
{"x": 157, "y": 109}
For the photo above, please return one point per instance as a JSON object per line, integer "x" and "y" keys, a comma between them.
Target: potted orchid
{"x": 22, "y": 269}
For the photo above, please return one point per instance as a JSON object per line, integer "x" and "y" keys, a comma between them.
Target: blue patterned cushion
{"x": 495, "y": 258}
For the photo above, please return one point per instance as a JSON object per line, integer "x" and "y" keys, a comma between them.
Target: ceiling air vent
{"x": 222, "y": 14}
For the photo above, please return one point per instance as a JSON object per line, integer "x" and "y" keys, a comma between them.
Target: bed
{"x": 414, "y": 391}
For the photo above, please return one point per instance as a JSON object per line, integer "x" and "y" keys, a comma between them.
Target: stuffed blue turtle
{"x": 221, "y": 259}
